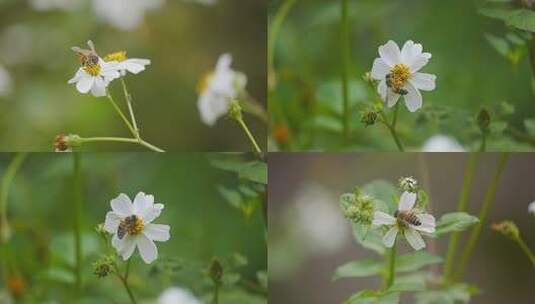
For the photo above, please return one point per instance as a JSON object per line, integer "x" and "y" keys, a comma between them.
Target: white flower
{"x": 218, "y": 88}
{"x": 398, "y": 74}
{"x": 531, "y": 208}
{"x": 131, "y": 226}
{"x": 124, "y": 14}
{"x": 49, "y": 5}
{"x": 132, "y": 65}
{"x": 402, "y": 221}
{"x": 442, "y": 143}
{"x": 95, "y": 78}
{"x": 5, "y": 82}
{"x": 177, "y": 295}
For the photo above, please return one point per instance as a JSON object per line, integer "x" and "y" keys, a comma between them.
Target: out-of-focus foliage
{"x": 41, "y": 252}
{"x": 480, "y": 63}
{"x": 182, "y": 38}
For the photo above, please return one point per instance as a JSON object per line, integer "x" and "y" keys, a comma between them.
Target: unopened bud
{"x": 368, "y": 118}
{"x": 216, "y": 271}
{"x": 65, "y": 143}
{"x": 507, "y": 228}
{"x": 483, "y": 119}
{"x": 103, "y": 267}
{"x": 408, "y": 184}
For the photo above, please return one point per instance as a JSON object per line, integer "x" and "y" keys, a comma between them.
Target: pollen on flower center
{"x": 136, "y": 227}
{"x": 399, "y": 75}
{"x": 92, "y": 69}
{"x": 117, "y": 56}
{"x": 203, "y": 83}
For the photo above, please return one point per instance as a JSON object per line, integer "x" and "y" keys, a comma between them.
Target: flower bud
{"x": 358, "y": 207}
{"x": 216, "y": 271}
{"x": 103, "y": 267}
{"x": 483, "y": 119}
{"x": 408, "y": 184}
{"x": 65, "y": 143}
{"x": 507, "y": 228}
{"x": 368, "y": 118}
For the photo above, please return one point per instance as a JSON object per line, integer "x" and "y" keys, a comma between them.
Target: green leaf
{"x": 233, "y": 197}
{"x": 455, "y": 221}
{"x": 416, "y": 260}
{"x": 496, "y": 13}
{"x": 385, "y": 195}
{"x": 326, "y": 123}
{"x": 529, "y": 124}
{"x": 410, "y": 283}
{"x": 361, "y": 268}
{"x": 255, "y": 171}
{"x": 369, "y": 238}
{"x": 523, "y": 19}
{"x": 499, "y": 44}
{"x": 452, "y": 294}
{"x": 374, "y": 297}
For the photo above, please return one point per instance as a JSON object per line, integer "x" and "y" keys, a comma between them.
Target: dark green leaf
{"x": 416, "y": 260}
{"x": 255, "y": 171}
{"x": 455, "y": 221}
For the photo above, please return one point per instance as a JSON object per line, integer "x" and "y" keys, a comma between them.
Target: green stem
{"x": 274, "y": 29}
{"x": 483, "y": 213}
{"x": 122, "y": 139}
{"x": 124, "y": 280}
{"x": 245, "y": 129}
{"x": 392, "y": 131}
{"x": 391, "y": 267}
{"x": 466, "y": 188}
{"x": 78, "y": 198}
{"x": 526, "y": 250}
{"x": 128, "y": 98}
{"x": 345, "y": 48}
{"x": 483, "y": 146}
{"x": 216, "y": 293}
{"x": 7, "y": 179}
{"x": 123, "y": 117}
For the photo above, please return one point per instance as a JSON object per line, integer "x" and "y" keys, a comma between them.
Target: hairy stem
{"x": 466, "y": 188}
{"x": 345, "y": 48}
{"x": 77, "y": 215}
{"x": 483, "y": 213}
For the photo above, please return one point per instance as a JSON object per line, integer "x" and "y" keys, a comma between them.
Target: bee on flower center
{"x": 407, "y": 217}
{"x": 397, "y": 78}
{"x": 87, "y": 57}
{"x": 132, "y": 225}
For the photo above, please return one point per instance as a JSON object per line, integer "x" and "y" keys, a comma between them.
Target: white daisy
{"x": 131, "y": 226}
{"x": 95, "y": 78}
{"x": 442, "y": 143}
{"x": 177, "y": 295}
{"x": 398, "y": 74}
{"x": 531, "y": 208}
{"x": 407, "y": 220}
{"x": 124, "y": 14}
{"x": 218, "y": 88}
{"x": 132, "y": 65}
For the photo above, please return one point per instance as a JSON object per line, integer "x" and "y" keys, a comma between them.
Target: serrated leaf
{"x": 416, "y": 260}
{"x": 255, "y": 171}
{"x": 360, "y": 268}
{"x": 455, "y": 221}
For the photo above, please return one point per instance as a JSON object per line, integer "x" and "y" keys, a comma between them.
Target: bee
{"x": 126, "y": 225}
{"x": 87, "y": 57}
{"x": 389, "y": 84}
{"x": 408, "y": 217}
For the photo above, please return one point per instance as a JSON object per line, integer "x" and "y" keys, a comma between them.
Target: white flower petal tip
{"x": 407, "y": 201}
{"x": 397, "y": 71}
{"x": 442, "y": 143}
{"x": 132, "y": 227}
{"x": 177, "y": 295}
{"x": 531, "y": 208}
{"x": 218, "y": 88}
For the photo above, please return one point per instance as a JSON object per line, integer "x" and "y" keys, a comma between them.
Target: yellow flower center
{"x": 203, "y": 83}
{"x": 92, "y": 69}
{"x": 117, "y": 56}
{"x": 136, "y": 227}
{"x": 399, "y": 75}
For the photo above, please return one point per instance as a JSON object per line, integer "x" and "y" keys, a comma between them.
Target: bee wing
{"x": 91, "y": 46}
{"x": 80, "y": 51}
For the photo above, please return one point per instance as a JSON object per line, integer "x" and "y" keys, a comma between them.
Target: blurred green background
{"x": 306, "y": 93}
{"x": 310, "y": 238}
{"x": 183, "y": 38}
{"x": 203, "y": 225}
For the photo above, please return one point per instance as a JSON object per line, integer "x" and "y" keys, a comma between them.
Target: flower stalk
{"x": 124, "y": 281}
{"x": 392, "y": 127}
{"x": 235, "y": 113}
{"x": 128, "y": 98}
{"x": 391, "y": 267}
{"x": 483, "y": 213}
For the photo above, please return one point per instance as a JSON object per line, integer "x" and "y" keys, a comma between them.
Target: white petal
{"x": 428, "y": 223}
{"x": 85, "y": 82}
{"x": 407, "y": 201}
{"x": 157, "y": 232}
{"x": 125, "y": 247}
{"x": 133, "y": 67}
{"x": 151, "y": 213}
{"x": 407, "y": 51}
{"x": 99, "y": 87}
{"x": 147, "y": 249}
{"x": 531, "y": 208}
{"x": 112, "y": 222}
{"x": 390, "y": 237}
{"x": 419, "y": 62}
{"x": 212, "y": 106}
{"x": 224, "y": 62}
{"x": 382, "y": 89}
{"x": 423, "y": 81}
{"x": 414, "y": 239}
{"x": 379, "y": 69}
{"x": 391, "y": 98}
{"x": 381, "y": 218}
{"x": 390, "y": 53}
{"x": 76, "y": 77}
{"x": 122, "y": 205}
{"x": 413, "y": 98}
{"x": 142, "y": 202}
